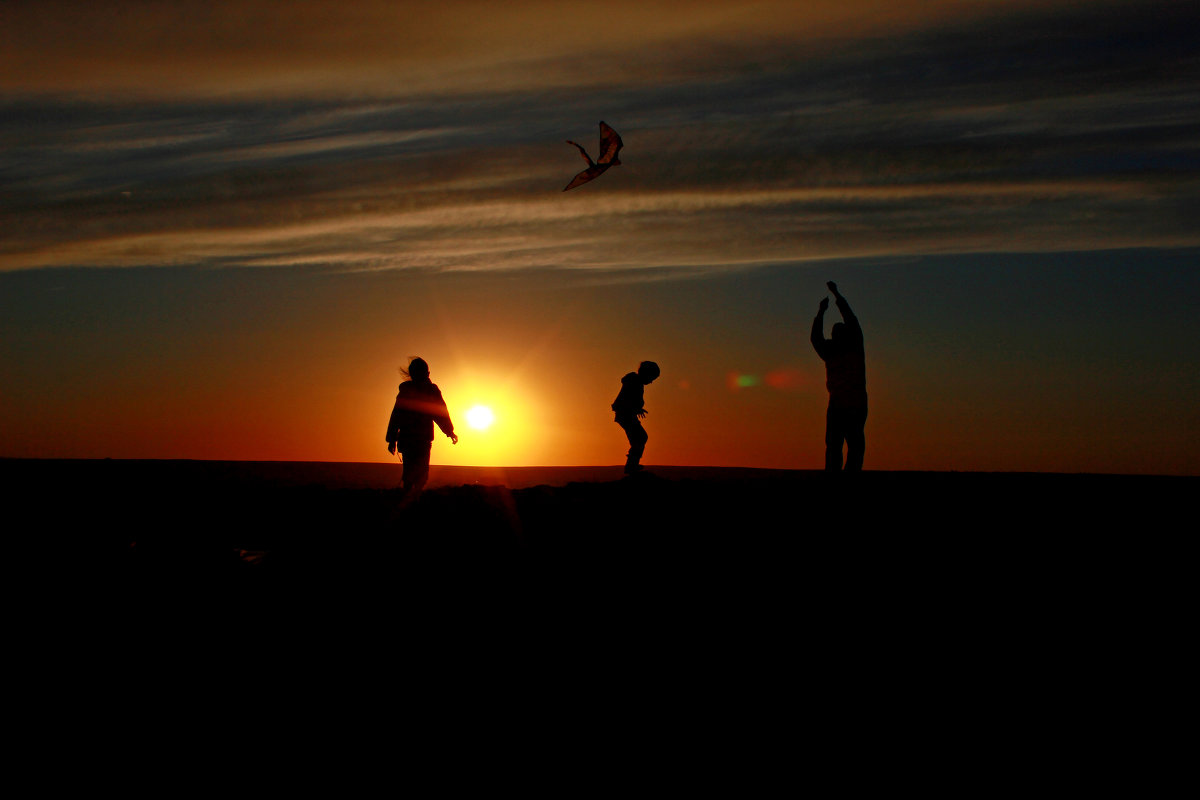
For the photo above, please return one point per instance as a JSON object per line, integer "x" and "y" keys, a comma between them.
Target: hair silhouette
{"x": 417, "y": 369}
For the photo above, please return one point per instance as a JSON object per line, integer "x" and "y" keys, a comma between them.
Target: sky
{"x": 225, "y": 228}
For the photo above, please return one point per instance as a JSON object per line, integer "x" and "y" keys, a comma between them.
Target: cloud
{"x": 656, "y": 230}
{"x": 978, "y": 133}
{"x": 192, "y": 48}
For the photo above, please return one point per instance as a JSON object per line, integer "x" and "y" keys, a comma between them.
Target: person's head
{"x": 417, "y": 370}
{"x": 838, "y": 332}
{"x": 648, "y": 371}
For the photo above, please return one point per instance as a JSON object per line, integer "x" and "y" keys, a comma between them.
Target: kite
{"x": 610, "y": 145}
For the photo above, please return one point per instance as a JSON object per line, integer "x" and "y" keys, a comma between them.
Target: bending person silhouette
{"x": 419, "y": 404}
{"x": 629, "y": 408}
{"x": 846, "y": 380}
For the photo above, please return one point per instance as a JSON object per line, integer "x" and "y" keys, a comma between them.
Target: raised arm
{"x": 844, "y": 307}
{"x": 818, "y": 328}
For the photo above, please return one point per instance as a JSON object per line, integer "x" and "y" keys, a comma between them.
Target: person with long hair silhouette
{"x": 630, "y": 410}
{"x": 846, "y": 380}
{"x": 419, "y": 405}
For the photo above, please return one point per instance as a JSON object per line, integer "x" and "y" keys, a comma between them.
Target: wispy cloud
{"x": 984, "y": 132}
{"x": 318, "y": 48}
{"x": 623, "y": 230}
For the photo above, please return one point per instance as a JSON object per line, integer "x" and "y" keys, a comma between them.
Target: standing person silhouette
{"x": 629, "y": 408}
{"x": 419, "y": 404}
{"x": 846, "y": 380}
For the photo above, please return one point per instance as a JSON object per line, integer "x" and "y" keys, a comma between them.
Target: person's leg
{"x": 409, "y": 457}
{"x": 416, "y": 467}
{"x": 856, "y": 439}
{"x": 834, "y": 435}
{"x": 421, "y": 476}
{"x": 637, "y": 443}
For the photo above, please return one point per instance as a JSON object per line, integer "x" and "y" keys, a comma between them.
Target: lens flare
{"x": 785, "y": 379}
{"x": 739, "y": 380}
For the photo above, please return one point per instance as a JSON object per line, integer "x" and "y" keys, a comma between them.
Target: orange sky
{"x": 303, "y": 365}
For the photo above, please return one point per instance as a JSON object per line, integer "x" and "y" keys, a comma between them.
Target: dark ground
{"x": 965, "y": 629}
{"x": 738, "y": 531}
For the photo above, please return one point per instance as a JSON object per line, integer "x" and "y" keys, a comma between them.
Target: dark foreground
{"x": 713, "y": 532}
{"x": 963, "y": 628}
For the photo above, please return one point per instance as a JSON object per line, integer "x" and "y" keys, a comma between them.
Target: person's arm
{"x": 390, "y": 436}
{"x": 442, "y": 418}
{"x": 818, "y": 327}
{"x": 844, "y": 307}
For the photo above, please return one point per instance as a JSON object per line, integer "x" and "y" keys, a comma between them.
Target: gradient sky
{"x": 223, "y": 228}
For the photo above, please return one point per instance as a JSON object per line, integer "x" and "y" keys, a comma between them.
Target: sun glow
{"x": 480, "y": 418}
{"x": 499, "y": 419}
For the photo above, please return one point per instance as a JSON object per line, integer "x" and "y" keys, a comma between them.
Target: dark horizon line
{"x": 650, "y": 467}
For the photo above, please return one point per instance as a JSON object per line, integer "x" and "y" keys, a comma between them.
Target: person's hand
{"x": 832, "y": 287}
{"x": 454, "y": 438}
{"x": 642, "y": 414}
{"x": 824, "y": 304}
{"x": 392, "y": 448}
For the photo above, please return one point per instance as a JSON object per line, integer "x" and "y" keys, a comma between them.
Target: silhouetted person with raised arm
{"x": 846, "y": 379}
{"x": 630, "y": 410}
{"x": 419, "y": 404}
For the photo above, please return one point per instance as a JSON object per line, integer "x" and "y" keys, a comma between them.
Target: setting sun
{"x": 480, "y": 418}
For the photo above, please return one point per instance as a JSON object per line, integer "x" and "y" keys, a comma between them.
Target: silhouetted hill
{"x": 332, "y": 522}
{"x": 727, "y": 595}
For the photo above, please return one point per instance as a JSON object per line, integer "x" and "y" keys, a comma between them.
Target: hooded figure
{"x": 419, "y": 405}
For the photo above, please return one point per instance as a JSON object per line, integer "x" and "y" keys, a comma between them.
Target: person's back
{"x": 631, "y": 398}
{"x": 845, "y": 362}
{"x": 418, "y": 405}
